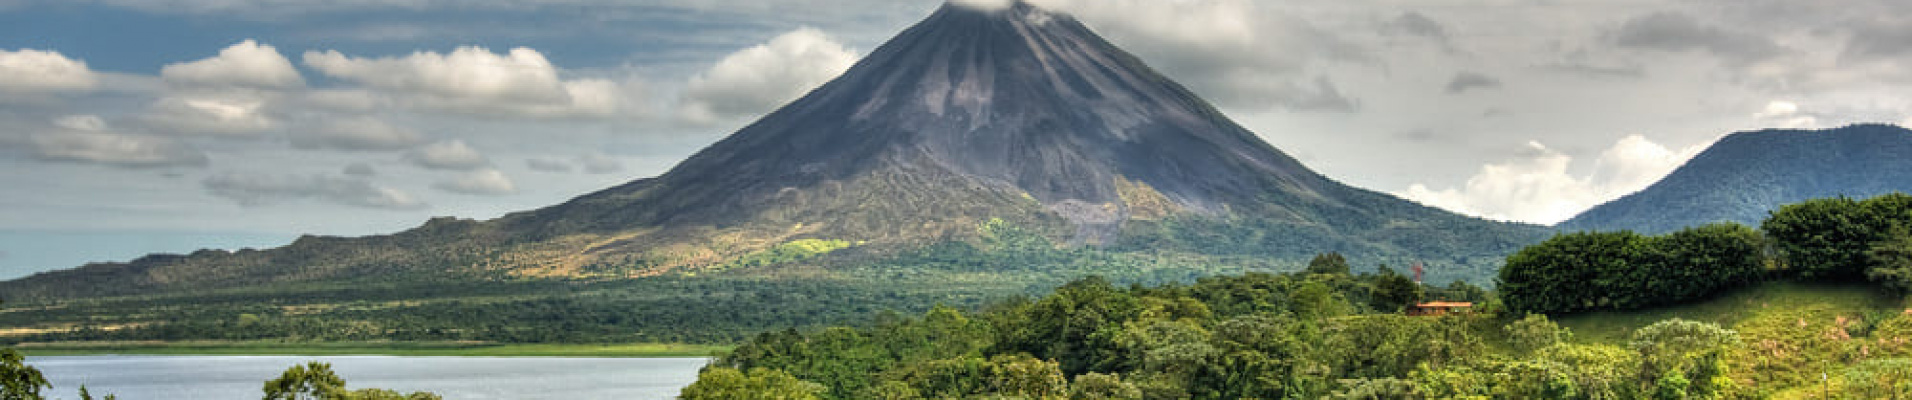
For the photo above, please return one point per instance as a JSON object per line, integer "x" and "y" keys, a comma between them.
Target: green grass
{"x": 415, "y": 349}
{"x": 1730, "y": 310}
{"x": 1791, "y": 332}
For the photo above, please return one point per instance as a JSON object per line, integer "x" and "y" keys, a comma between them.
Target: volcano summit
{"x": 979, "y": 115}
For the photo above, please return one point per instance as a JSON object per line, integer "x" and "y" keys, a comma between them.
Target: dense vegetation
{"x": 1836, "y": 239}
{"x": 1624, "y": 270}
{"x": 1323, "y": 332}
{"x": 716, "y": 307}
{"x": 803, "y": 283}
{"x": 1305, "y": 335}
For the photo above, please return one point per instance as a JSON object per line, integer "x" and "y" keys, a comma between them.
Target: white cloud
{"x": 256, "y": 189}
{"x": 1542, "y": 189}
{"x": 345, "y": 100}
{"x": 485, "y": 182}
{"x": 1635, "y": 162}
{"x": 208, "y": 115}
{"x": 474, "y": 80}
{"x": 452, "y": 155}
{"x": 86, "y": 140}
{"x": 246, "y": 64}
{"x": 359, "y": 134}
{"x": 37, "y": 71}
{"x": 1785, "y": 114}
{"x": 759, "y": 79}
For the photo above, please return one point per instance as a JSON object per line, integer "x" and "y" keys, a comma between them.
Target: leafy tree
{"x": 19, "y": 381}
{"x": 762, "y": 383}
{"x": 890, "y": 390}
{"x": 1376, "y": 389}
{"x": 1622, "y": 270}
{"x": 1328, "y": 263}
{"x": 1536, "y": 332}
{"x": 315, "y": 380}
{"x": 88, "y": 395}
{"x": 1702, "y": 261}
{"x": 1392, "y": 291}
{"x": 1683, "y": 357}
{"x": 1567, "y": 273}
{"x": 1022, "y": 376}
{"x": 1315, "y": 300}
{"x": 1892, "y": 260}
{"x": 1599, "y": 371}
{"x": 1099, "y": 386}
{"x": 1830, "y": 238}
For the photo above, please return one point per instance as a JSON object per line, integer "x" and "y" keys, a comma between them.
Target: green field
{"x": 415, "y": 349}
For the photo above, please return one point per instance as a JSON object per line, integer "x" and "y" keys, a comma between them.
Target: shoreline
{"x": 402, "y": 349}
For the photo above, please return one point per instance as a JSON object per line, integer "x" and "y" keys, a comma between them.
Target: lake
{"x": 242, "y": 377}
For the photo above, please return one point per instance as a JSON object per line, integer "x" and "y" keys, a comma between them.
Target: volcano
{"x": 992, "y": 105}
{"x": 1013, "y": 115}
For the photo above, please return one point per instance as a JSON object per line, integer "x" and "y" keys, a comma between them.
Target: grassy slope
{"x": 415, "y": 349}
{"x": 1792, "y": 332}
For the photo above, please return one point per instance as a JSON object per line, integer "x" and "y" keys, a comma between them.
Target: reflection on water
{"x": 243, "y": 377}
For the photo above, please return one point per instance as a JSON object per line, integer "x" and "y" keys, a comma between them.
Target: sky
{"x": 136, "y": 126}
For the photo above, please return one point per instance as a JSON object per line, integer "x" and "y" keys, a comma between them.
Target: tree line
{"x": 1834, "y": 239}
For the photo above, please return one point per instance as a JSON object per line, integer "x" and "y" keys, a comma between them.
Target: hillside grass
{"x": 410, "y": 349}
{"x": 1792, "y": 334}
{"x": 1768, "y": 300}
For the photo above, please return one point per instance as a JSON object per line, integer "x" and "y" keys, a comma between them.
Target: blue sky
{"x": 132, "y": 126}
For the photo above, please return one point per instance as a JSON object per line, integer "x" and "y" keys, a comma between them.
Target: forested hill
{"x": 1747, "y": 174}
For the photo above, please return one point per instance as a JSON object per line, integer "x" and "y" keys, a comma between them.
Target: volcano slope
{"x": 978, "y": 153}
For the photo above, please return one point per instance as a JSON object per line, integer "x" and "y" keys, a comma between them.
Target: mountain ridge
{"x": 1747, "y": 174}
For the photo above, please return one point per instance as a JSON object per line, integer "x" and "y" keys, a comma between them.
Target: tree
{"x": 1025, "y": 377}
{"x": 761, "y": 383}
{"x": 1682, "y": 357}
{"x": 315, "y": 380}
{"x": 1568, "y": 273}
{"x": 1829, "y": 238}
{"x": 1097, "y": 386}
{"x": 19, "y": 381}
{"x": 1701, "y": 261}
{"x": 1892, "y": 260}
{"x": 1536, "y": 332}
{"x": 1328, "y": 263}
{"x": 1314, "y": 300}
{"x": 1392, "y": 291}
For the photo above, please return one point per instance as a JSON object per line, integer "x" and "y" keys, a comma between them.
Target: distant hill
{"x": 971, "y": 122}
{"x": 1747, "y": 174}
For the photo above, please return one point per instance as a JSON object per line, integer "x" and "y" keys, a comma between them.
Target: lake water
{"x": 243, "y": 377}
